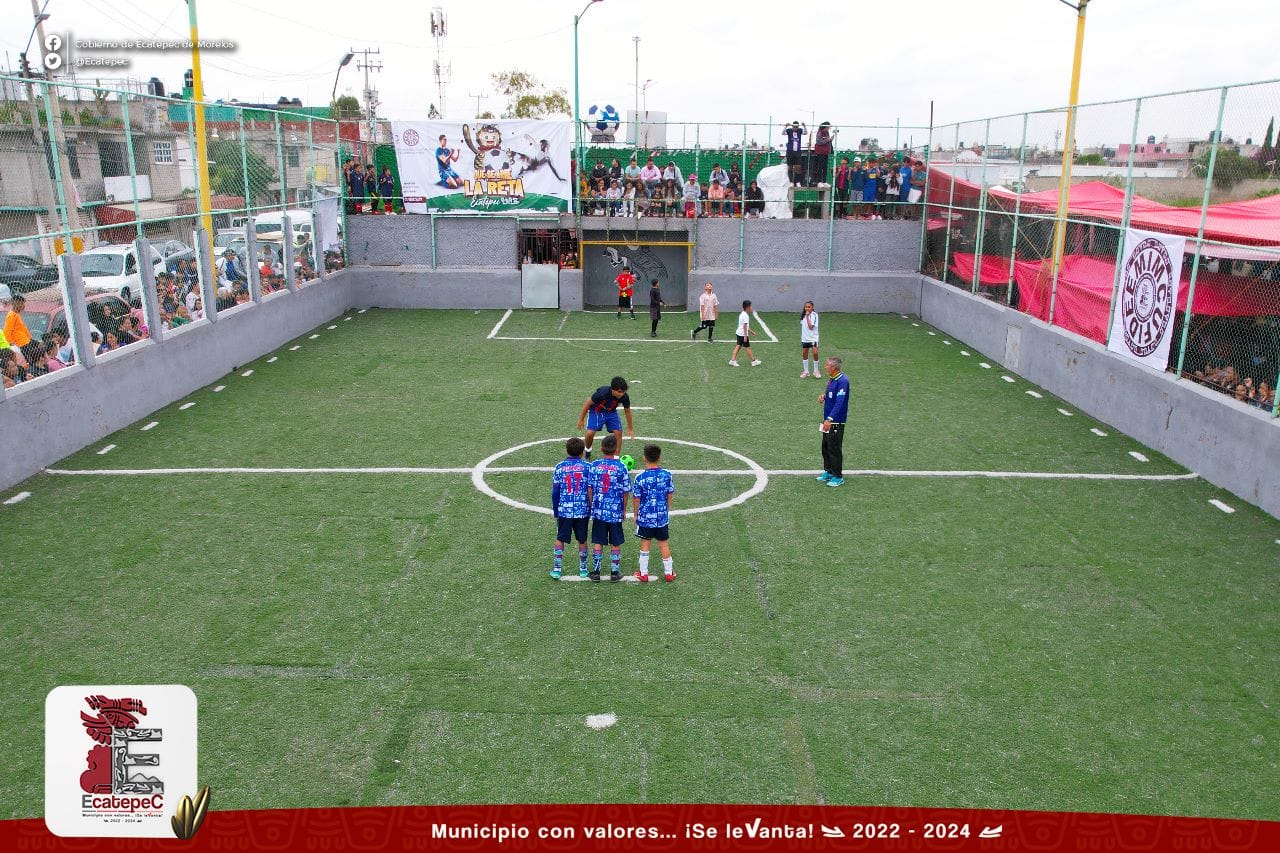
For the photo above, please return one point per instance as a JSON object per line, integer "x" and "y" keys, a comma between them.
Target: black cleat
{"x": 595, "y": 576}
{"x": 615, "y": 576}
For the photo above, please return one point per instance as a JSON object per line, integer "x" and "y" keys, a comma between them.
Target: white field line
{"x": 915, "y": 324}
{"x": 948, "y": 343}
{"x": 1035, "y": 394}
{"x": 546, "y": 469}
{"x": 295, "y": 348}
{"x": 17, "y": 499}
{"x": 273, "y": 359}
{"x": 1098, "y": 432}
{"x": 346, "y": 319}
{"x": 498, "y": 325}
{"x": 773, "y": 338}
{"x": 362, "y": 310}
{"x": 313, "y": 337}
{"x": 104, "y": 451}
{"x": 965, "y": 353}
{"x": 331, "y": 328}
{"x": 564, "y": 319}
{"x": 1219, "y": 504}
{"x": 984, "y": 365}
{"x": 642, "y": 408}
{"x": 1008, "y": 379}
{"x": 1065, "y": 413}
{"x": 219, "y": 388}
{"x": 151, "y": 426}
{"x": 1139, "y": 456}
{"x": 186, "y": 406}
{"x": 645, "y": 340}
{"x": 247, "y": 373}
{"x": 933, "y": 334}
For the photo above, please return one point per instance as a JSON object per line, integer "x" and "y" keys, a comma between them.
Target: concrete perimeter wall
{"x": 1226, "y": 442}
{"x": 50, "y": 417}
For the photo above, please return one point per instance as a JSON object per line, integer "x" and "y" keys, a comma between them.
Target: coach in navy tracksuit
{"x": 835, "y": 411}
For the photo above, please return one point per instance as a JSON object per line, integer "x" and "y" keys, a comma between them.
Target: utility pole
{"x": 57, "y": 137}
{"x": 443, "y": 70}
{"x": 478, "y": 98}
{"x": 370, "y": 96}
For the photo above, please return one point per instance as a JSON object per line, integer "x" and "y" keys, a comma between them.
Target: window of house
{"x": 162, "y": 152}
{"x": 291, "y": 157}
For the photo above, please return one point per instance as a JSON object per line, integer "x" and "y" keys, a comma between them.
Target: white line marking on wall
{"x": 1140, "y": 457}
{"x": 498, "y": 325}
{"x": 247, "y": 373}
{"x": 273, "y": 359}
{"x": 218, "y": 388}
{"x": 151, "y": 426}
{"x": 984, "y": 365}
{"x": 1035, "y": 394}
{"x": 17, "y": 499}
{"x": 1065, "y": 412}
{"x": 186, "y": 406}
{"x": 104, "y": 451}
{"x": 766, "y": 328}
{"x": 1098, "y": 432}
{"x": 1008, "y": 379}
{"x": 1220, "y": 505}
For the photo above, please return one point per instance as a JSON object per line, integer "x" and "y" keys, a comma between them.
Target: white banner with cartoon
{"x": 485, "y": 166}
{"x": 1142, "y": 320}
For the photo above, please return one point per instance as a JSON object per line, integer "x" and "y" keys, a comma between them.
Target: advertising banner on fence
{"x": 1142, "y": 319}
{"x": 483, "y": 167}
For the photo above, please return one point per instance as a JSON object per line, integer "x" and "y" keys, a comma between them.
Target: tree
{"x": 345, "y": 107}
{"x": 1271, "y": 129}
{"x": 527, "y": 98}
{"x": 226, "y": 175}
{"x": 1090, "y": 160}
{"x": 1229, "y": 169}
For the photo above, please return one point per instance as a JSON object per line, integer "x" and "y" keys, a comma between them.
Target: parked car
{"x": 24, "y": 274}
{"x": 223, "y": 237}
{"x": 113, "y": 268}
{"x": 43, "y": 316}
{"x": 175, "y": 252}
{"x": 270, "y": 225}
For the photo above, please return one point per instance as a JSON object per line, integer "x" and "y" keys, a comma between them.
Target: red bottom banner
{"x": 675, "y": 827}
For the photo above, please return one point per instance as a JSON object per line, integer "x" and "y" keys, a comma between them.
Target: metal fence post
{"x": 1017, "y": 210}
{"x": 982, "y": 212}
{"x": 951, "y": 197}
{"x": 1204, "y": 215}
{"x": 742, "y": 206}
{"x": 244, "y": 165}
{"x": 60, "y": 188}
{"x": 133, "y": 170}
{"x": 924, "y": 192}
{"x": 284, "y": 190}
{"x": 1124, "y": 219}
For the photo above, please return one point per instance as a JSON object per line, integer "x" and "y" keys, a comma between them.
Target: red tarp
{"x": 1250, "y": 223}
{"x": 1084, "y": 291}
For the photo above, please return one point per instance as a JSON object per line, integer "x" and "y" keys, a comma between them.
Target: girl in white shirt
{"x": 809, "y": 340}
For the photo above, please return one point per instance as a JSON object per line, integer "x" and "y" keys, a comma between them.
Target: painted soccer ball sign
{"x": 1148, "y": 296}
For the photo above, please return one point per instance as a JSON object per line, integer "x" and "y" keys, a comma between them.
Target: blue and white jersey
{"x": 610, "y": 483}
{"x": 651, "y": 487}
{"x": 569, "y": 484}
{"x": 836, "y": 405}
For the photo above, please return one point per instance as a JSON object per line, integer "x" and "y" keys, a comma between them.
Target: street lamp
{"x": 334, "y": 97}
{"x": 577, "y": 121}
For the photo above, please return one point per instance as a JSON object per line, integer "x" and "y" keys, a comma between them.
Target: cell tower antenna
{"x": 443, "y": 70}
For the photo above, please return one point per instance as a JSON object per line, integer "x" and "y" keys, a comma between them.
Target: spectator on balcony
{"x": 735, "y": 179}
{"x": 755, "y": 200}
{"x": 629, "y": 198}
{"x": 823, "y": 142}
{"x": 16, "y": 332}
{"x": 692, "y": 193}
{"x": 599, "y": 197}
{"x": 732, "y": 202}
{"x": 843, "y": 179}
{"x": 12, "y": 370}
{"x": 51, "y": 347}
{"x": 599, "y": 172}
{"x": 715, "y": 198}
{"x": 614, "y": 196}
{"x": 1266, "y": 398}
{"x": 110, "y": 343}
{"x": 126, "y": 331}
{"x": 631, "y": 174}
{"x": 794, "y": 146}
{"x": 672, "y": 173}
{"x": 615, "y": 171}
{"x": 652, "y": 177}
{"x": 719, "y": 176}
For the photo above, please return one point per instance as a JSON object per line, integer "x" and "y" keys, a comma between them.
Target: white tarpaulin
{"x": 1142, "y": 317}
{"x": 493, "y": 166}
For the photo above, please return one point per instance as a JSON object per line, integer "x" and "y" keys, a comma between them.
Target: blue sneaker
{"x": 823, "y": 477}
{"x": 555, "y": 574}
{"x": 583, "y": 573}
{"x": 835, "y": 481}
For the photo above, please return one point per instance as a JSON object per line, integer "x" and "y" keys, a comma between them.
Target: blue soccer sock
{"x": 615, "y": 560}
{"x": 557, "y": 558}
{"x": 582, "y": 558}
{"x": 596, "y": 559}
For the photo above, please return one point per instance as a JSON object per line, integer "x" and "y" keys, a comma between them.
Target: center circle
{"x": 761, "y": 476}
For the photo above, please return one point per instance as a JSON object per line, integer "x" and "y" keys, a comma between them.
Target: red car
{"x": 42, "y": 316}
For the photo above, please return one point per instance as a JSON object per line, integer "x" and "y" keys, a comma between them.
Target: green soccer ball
{"x": 628, "y": 461}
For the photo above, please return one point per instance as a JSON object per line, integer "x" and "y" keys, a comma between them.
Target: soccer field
{"x": 942, "y": 631}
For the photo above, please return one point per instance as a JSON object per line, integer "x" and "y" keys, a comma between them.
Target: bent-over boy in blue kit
{"x": 651, "y": 497}
{"x": 571, "y": 506}
{"x": 610, "y": 484}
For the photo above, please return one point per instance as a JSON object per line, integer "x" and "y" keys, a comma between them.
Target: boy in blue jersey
{"x": 835, "y": 411}
{"x": 651, "y": 498}
{"x": 601, "y": 412}
{"x": 610, "y": 483}
{"x": 571, "y": 506}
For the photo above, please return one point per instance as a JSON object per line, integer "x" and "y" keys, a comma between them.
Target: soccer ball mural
{"x": 603, "y": 123}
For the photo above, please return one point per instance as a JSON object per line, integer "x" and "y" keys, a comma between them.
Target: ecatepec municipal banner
{"x": 1142, "y": 322}
{"x": 486, "y": 166}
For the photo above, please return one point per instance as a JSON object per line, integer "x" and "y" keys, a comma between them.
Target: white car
{"x": 113, "y": 268}
{"x": 270, "y": 225}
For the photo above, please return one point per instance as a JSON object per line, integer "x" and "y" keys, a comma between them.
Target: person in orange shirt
{"x": 16, "y": 332}
{"x": 626, "y": 283}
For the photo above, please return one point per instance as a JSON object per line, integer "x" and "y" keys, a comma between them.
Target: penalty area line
{"x": 611, "y": 340}
{"x": 498, "y": 325}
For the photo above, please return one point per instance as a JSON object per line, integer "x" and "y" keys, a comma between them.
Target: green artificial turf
{"x": 388, "y": 638}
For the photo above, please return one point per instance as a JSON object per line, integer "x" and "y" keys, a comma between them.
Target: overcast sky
{"x": 717, "y": 61}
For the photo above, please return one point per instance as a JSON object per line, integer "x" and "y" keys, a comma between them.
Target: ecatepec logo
{"x": 1146, "y": 297}
{"x": 118, "y": 759}
{"x": 410, "y": 137}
